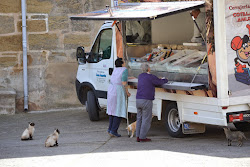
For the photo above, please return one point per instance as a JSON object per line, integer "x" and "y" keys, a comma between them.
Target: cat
{"x": 131, "y": 128}
{"x": 51, "y": 140}
{"x": 28, "y": 132}
{"x": 234, "y": 136}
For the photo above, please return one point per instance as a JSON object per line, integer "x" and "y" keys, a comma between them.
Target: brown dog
{"x": 131, "y": 128}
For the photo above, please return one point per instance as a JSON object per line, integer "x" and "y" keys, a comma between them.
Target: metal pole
{"x": 203, "y": 38}
{"x": 125, "y": 57}
{"x": 25, "y": 73}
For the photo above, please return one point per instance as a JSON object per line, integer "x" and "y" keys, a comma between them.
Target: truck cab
{"x": 94, "y": 71}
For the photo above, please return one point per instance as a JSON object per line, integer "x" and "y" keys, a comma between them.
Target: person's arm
{"x": 125, "y": 81}
{"x": 157, "y": 81}
{"x": 126, "y": 88}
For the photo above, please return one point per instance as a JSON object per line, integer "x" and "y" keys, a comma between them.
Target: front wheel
{"x": 92, "y": 107}
{"x": 172, "y": 121}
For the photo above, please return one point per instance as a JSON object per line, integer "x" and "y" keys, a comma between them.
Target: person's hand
{"x": 128, "y": 94}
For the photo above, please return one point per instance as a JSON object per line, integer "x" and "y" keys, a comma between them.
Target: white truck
{"x": 204, "y": 87}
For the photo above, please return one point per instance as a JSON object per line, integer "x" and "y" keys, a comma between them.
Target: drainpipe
{"x": 25, "y": 73}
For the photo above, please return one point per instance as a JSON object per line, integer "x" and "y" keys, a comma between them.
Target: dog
{"x": 28, "y": 132}
{"x": 131, "y": 128}
{"x": 51, "y": 140}
{"x": 234, "y": 136}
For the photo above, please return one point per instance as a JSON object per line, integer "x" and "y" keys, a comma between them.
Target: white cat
{"x": 51, "y": 140}
{"x": 28, "y": 132}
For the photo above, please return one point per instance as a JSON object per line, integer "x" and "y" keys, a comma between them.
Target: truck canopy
{"x": 140, "y": 11}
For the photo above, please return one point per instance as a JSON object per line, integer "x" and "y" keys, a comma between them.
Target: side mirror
{"x": 80, "y": 54}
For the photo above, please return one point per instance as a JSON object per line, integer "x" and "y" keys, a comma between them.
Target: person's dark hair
{"x": 118, "y": 62}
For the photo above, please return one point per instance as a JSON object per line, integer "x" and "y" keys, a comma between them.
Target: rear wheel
{"x": 92, "y": 107}
{"x": 242, "y": 126}
{"x": 172, "y": 121}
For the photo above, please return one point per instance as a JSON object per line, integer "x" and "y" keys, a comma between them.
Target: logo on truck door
{"x": 101, "y": 76}
{"x": 241, "y": 45}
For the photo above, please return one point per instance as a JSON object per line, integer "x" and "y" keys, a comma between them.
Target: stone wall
{"x": 52, "y": 41}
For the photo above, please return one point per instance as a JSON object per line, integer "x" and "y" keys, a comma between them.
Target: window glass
{"x": 102, "y": 47}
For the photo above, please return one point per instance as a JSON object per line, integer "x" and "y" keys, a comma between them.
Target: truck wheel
{"x": 92, "y": 106}
{"x": 172, "y": 121}
{"x": 242, "y": 126}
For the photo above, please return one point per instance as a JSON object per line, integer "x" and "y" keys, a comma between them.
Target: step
{"x": 7, "y": 101}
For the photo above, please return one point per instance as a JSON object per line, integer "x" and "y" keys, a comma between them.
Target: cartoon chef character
{"x": 242, "y": 47}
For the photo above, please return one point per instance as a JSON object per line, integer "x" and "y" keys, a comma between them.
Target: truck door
{"x": 101, "y": 60}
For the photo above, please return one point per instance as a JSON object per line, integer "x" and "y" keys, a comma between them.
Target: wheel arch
{"x": 164, "y": 106}
{"x": 82, "y": 90}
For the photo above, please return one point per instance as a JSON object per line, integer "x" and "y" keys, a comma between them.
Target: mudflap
{"x": 193, "y": 128}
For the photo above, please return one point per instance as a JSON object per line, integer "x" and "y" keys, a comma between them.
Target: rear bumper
{"x": 241, "y": 116}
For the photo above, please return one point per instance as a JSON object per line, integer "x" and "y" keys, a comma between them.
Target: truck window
{"x": 102, "y": 47}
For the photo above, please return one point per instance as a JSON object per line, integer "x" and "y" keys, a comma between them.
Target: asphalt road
{"x": 86, "y": 143}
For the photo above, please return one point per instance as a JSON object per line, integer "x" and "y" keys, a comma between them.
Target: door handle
{"x": 111, "y": 71}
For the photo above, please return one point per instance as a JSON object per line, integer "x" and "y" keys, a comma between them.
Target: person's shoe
{"x": 138, "y": 139}
{"x": 145, "y": 140}
{"x": 109, "y": 132}
{"x": 115, "y": 134}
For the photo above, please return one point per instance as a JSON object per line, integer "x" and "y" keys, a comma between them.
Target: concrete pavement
{"x": 86, "y": 143}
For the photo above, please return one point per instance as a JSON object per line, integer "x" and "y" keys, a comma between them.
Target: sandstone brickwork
{"x": 52, "y": 39}
{"x": 8, "y": 101}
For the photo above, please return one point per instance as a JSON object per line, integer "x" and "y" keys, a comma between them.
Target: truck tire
{"x": 92, "y": 107}
{"x": 172, "y": 121}
{"x": 242, "y": 126}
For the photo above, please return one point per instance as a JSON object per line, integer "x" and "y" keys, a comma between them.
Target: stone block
{"x": 57, "y": 57}
{"x": 81, "y": 25}
{"x": 72, "y": 41}
{"x": 7, "y": 110}
{"x": 72, "y": 57}
{"x": 36, "y": 79}
{"x": 41, "y": 17}
{"x": 100, "y": 4}
{"x": 32, "y": 106}
{"x": 8, "y": 61}
{"x": 8, "y": 26}
{"x": 60, "y": 89}
{"x": 91, "y": 5}
{"x": 58, "y": 23}
{"x": 10, "y": 6}
{"x": 39, "y": 6}
{"x": 36, "y": 58}
{"x": 43, "y": 41}
{"x": 7, "y": 101}
{"x": 69, "y": 6}
{"x": 33, "y": 26}
{"x": 11, "y": 43}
